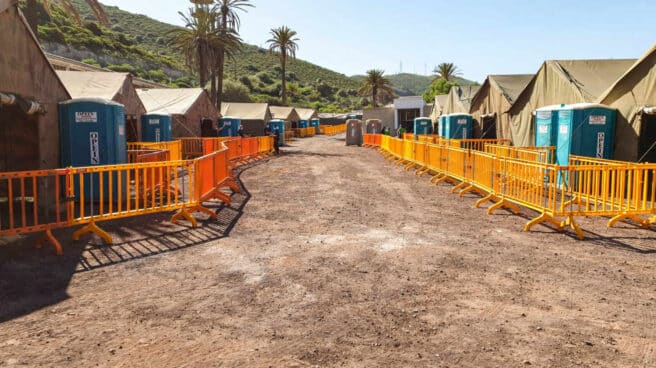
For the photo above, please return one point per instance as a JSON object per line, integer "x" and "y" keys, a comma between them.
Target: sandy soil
{"x": 335, "y": 258}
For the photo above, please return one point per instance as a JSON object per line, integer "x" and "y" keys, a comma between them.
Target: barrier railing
{"x": 332, "y": 129}
{"x": 512, "y": 177}
{"x": 306, "y": 132}
{"x": 35, "y": 201}
{"x": 174, "y": 147}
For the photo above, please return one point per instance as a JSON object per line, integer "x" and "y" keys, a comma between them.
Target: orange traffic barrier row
{"x": 35, "y": 201}
{"x": 589, "y": 187}
{"x": 332, "y": 129}
{"x": 306, "y": 132}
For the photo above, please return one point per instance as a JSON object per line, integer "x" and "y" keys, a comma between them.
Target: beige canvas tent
{"x": 115, "y": 87}
{"x": 307, "y": 114}
{"x": 494, "y": 98}
{"x": 634, "y": 96}
{"x": 459, "y": 99}
{"x": 285, "y": 113}
{"x": 29, "y": 93}
{"x": 189, "y": 106}
{"x": 438, "y": 107}
{"x": 562, "y": 82}
{"x": 254, "y": 116}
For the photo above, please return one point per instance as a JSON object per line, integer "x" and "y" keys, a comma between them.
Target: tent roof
{"x": 305, "y": 114}
{"x": 588, "y": 78}
{"x": 440, "y": 100}
{"x": 93, "y": 84}
{"x": 639, "y": 70}
{"x": 460, "y": 98}
{"x": 282, "y": 112}
{"x": 174, "y": 101}
{"x": 510, "y": 85}
{"x": 245, "y": 111}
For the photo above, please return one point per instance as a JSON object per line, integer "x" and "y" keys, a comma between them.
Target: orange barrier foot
{"x": 184, "y": 214}
{"x": 459, "y": 187}
{"x": 545, "y": 218}
{"x": 232, "y": 184}
{"x": 439, "y": 179}
{"x": 482, "y": 201}
{"x": 470, "y": 189}
{"x": 643, "y": 223}
{"x": 204, "y": 210}
{"x": 409, "y": 166}
{"x": 93, "y": 228}
{"x": 572, "y": 223}
{"x": 503, "y": 204}
{"x": 48, "y": 238}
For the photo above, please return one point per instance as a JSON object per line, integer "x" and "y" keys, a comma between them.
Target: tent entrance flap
{"x": 19, "y": 139}
{"x": 407, "y": 118}
{"x": 489, "y": 126}
{"x": 647, "y": 139}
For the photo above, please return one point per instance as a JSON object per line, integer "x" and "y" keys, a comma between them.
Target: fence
{"x": 513, "y": 177}
{"x": 332, "y": 129}
{"x": 35, "y": 201}
{"x": 306, "y": 132}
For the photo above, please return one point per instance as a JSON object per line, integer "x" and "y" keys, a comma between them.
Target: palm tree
{"x": 228, "y": 22}
{"x": 283, "y": 43}
{"x": 376, "y": 85}
{"x": 97, "y": 8}
{"x": 446, "y": 71}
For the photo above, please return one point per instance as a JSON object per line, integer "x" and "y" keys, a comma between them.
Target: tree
{"x": 283, "y": 43}
{"x": 376, "y": 86}
{"x": 446, "y": 71}
{"x": 229, "y": 22}
{"x": 234, "y": 91}
{"x": 95, "y": 6}
{"x": 438, "y": 87}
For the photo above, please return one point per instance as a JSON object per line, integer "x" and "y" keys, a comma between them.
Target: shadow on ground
{"x": 32, "y": 279}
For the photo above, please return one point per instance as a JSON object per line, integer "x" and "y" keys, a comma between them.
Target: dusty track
{"x": 336, "y": 258}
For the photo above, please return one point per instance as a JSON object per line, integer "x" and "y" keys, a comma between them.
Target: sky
{"x": 480, "y": 37}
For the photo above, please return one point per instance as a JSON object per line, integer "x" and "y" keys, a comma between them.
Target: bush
{"x": 246, "y": 82}
{"x": 91, "y": 62}
{"x": 51, "y": 34}
{"x": 252, "y": 68}
{"x": 265, "y": 78}
{"x": 235, "y": 92}
{"x": 94, "y": 28}
{"x": 123, "y": 68}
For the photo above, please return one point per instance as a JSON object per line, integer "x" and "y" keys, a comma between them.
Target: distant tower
{"x": 401, "y": 67}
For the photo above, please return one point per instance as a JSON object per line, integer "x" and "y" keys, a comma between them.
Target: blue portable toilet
{"x": 92, "y": 133}
{"x": 441, "y": 126}
{"x": 316, "y": 123}
{"x": 458, "y": 126}
{"x": 303, "y": 124}
{"x": 585, "y": 130}
{"x": 546, "y": 122}
{"x": 280, "y": 126}
{"x": 156, "y": 127}
{"x": 423, "y": 126}
{"x": 230, "y": 126}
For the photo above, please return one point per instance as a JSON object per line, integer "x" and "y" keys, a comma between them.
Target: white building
{"x": 407, "y": 108}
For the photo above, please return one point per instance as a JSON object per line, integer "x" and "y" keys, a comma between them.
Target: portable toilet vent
{"x": 458, "y": 126}
{"x": 354, "y": 135}
{"x": 92, "y": 133}
{"x": 303, "y": 124}
{"x": 316, "y": 123}
{"x": 585, "y": 130}
{"x": 546, "y": 120}
{"x": 156, "y": 128}
{"x": 278, "y": 127}
{"x": 423, "y": 126}
{"x": 229, "y": 126}
{"x": 374, "y": 126}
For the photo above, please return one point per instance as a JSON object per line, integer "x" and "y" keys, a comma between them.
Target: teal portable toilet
{"x": 92, "y": 133}
{"x": 441, "y": 126}
{"x": 423, "y": 126}
{"x": 278, "y": 125}
{"x": 303, "y": 124}
{"x": 156, "y": 128}
{"x": 585, "y": 130}
{"x": 316, "y": 123}
{"x": 546, "y": 122}
{"x": 458, "y": 126}
{"x": 229, "y": 126}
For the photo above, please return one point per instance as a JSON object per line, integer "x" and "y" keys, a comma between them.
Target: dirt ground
{"x": 332, "y": 257}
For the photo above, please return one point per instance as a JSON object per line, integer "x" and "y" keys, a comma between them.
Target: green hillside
{"x": 406, "y": 84}
{"x": 138, "y": 44}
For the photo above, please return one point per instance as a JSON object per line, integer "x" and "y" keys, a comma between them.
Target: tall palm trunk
{"x": 221, "y": 59}
{"x": 283, "y": 60}
{"x": 374, "y": 96}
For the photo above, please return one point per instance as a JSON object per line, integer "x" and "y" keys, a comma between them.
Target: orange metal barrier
{"x": 532, "y": 154}
{"x": 306, "y": 132}
{"x": 141, "y": 156}
{"x": 174, "y": 147}
{"x": 332, "y": 129}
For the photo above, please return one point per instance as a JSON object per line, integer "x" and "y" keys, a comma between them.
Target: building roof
{"x": 174, "y": 101}
{"x": 93, "y": 84}
{"x": 246, "y": 111}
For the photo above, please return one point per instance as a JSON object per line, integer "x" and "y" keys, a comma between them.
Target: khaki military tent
{"x": 459, "y": 99}
{"x": 110, "y": 86}
{"x": 307, "y": 114}
{"x": 29, "y": 93}
{"x": 254, "y": 116}
{"x": 494, "y": 98}
{"x": 634, "y": 96}
{"x": 438, "y": 107}
{"x": 189, "y": 106}
{"x": 562, "y": 82}
{"x": 285, "y": 113}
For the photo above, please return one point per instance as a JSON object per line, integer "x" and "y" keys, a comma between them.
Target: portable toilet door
{"x": 374, "y": 126}
{"x": 546, "y": 122}
{"x": 354, "y": 135}
{"x": 92, "y": 133}
{"x": 229, "y": 126}
{"x": 316, "y": 123}
{"x": 303, "y": 124}
{"x": 423, "y": 126}
{"x": 279, "y": 127}
{"x": 585, "y": 130}
{"x": 156, "y": 128}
